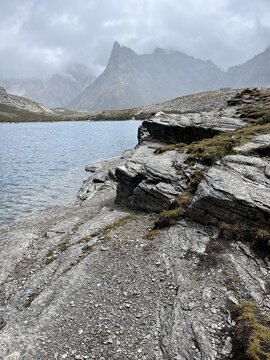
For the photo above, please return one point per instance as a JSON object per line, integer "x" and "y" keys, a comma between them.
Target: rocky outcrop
{"x": 190, "y": 127}
{"x": 236, "y": 188}
{"x": 83, "y": 283}
{"x": 150, "y": 182}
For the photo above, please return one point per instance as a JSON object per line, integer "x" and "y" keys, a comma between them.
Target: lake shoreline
{"x": 45, "y": 163}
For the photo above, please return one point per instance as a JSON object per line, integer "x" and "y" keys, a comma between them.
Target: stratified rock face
{"x": 236, "y": 189}
{"x": 152, "y": 182}
{"x": 132, "y": 80}
{"x": 147, "y": 181}
{"x": 191, "y": 127}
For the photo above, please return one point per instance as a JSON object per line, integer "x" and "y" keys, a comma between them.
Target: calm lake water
{"x": 42, "y": 164}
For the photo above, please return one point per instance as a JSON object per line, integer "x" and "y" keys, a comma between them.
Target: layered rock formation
{"x": 90, "y": 281}
{"x": 236, "y": 189}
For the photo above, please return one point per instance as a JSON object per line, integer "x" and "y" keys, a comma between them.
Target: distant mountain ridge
{"x": 132, "y": 80}
{"x": 254, "y": 72}
{"x": 56, "y": 91}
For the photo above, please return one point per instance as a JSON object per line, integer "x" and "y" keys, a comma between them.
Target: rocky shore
{"x": 165, "y": 254}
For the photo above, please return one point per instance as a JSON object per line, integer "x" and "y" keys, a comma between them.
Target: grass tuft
{"x": 252, "y": 333}
{"x": 105, "y": 231}
{"x": 151, "y": 235}
{"x": 259, "y": 239}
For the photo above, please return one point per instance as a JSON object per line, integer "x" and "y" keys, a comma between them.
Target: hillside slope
{"x": 254, "y": 72}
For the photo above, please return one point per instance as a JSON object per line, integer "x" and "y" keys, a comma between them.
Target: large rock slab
{"x": 150, "y": 182}
{"x": 235, "y": 189}
{"x": 190, "y": 127}
{"x": 255, "y": 145}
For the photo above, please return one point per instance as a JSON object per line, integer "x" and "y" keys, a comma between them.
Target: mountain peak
{"x": 118, "y": 49}
{"x": 116, "y": 45}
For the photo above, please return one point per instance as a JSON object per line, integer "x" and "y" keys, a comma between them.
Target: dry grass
{"x": 252, "y": 333}
{"x": 258, "y": 238}
{"x": 106, "y": 229}
{"x": 151, "y": 235}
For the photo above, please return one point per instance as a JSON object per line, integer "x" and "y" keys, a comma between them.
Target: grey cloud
{"x": 44, "y": 36}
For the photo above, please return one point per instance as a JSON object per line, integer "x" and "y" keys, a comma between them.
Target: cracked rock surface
{"x": 190, "y": 127}
{"x": 236, "y": 188}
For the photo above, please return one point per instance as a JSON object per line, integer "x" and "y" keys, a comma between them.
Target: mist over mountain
{"x": 131, "y": 80}
{"x": 56, "y": 91}
{"x": 254, "y": 72}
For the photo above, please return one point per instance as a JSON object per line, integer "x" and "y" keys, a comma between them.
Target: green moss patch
{"x": 170, "y": 217}
{"x": 208, "y": 151}
{"x": 178, "y": 147}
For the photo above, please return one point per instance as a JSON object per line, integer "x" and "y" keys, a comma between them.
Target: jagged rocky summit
{"x": 132, "y": 80}
{"x": 105, "y": 279}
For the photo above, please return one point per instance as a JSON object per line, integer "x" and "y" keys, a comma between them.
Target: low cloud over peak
{"x": 39, "y": 38}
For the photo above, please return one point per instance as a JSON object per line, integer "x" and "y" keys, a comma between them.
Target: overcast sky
{"x": 39, "y": 37}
